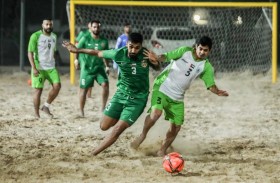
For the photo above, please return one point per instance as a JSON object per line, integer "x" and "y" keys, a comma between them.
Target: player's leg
{"x": 82, "y": 99}
{"x": 157, "y": 104}
{"x": 53, "y": 77}
{"x": 112, "y": 137}
{"x": 112, "y": 112}
{"x": 150, "y": 120}
{"x": 37, "y": 84}
{"x": 89, "y": 92}
{"x": 175, "y": 114}
{"x": 127, "y": 116}
{"x": 86, "y": 82}
{"x": 103, "y": 80}
{"x": 170, "y": 137}
{"x": 36, "y": 101}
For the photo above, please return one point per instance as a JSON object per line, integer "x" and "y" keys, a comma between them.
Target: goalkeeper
{"x": 170, "y": 85}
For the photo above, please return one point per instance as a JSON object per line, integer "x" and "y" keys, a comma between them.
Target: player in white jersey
{"x": 41, "y": 52}
{"x": 169, "y": 87}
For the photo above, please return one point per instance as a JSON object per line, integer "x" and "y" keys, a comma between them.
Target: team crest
{"x": 103, "y": 45}
{"x": 144, "y": 63}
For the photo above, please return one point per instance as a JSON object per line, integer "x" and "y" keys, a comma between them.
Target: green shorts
{"x": 173, "y": 110}
{"x": 87, "y": 78}
{"x": 125, "y": 108}
{"x": 51, "y": 75}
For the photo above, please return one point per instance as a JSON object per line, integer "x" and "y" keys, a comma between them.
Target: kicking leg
{"x": 150, "y": 120}
{"x": 170, "y": 137}
{"x": 112, "y": 137}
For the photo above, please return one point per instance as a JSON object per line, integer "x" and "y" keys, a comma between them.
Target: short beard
{"x": 49, "y": 30}
{"x": 133, "y": 57}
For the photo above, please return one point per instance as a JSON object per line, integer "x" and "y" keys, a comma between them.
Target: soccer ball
{"x": 173, "y": 162}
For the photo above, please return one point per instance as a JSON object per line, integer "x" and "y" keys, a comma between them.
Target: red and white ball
{"x": 173, "y": 162}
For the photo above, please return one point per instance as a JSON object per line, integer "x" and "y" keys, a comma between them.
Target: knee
{"x": 57, "y": 86}
{"x": 105, "y": 86}
{"x": 104, "y": 127}
{"x": 155, "y": 114}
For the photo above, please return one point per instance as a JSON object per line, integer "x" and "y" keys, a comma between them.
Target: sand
{"x": 233, "y": 139}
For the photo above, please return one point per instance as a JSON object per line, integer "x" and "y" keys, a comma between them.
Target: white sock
{"x": 47, "y": 104}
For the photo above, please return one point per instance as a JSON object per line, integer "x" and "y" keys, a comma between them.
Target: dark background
{"x": 35, "y": 11}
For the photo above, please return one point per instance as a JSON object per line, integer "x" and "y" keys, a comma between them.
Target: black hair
{"x": 47, "y": 18}
{"x": 95, "y": 21}
{"x": 204, "y": 41}
{"x": 126, "y": 24}
{"x": 135, "y": 37}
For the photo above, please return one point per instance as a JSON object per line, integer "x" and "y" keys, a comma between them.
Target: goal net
{"x": 241, "y": 34}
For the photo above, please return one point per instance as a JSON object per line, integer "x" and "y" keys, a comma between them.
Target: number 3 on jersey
{"x": 133, "y": 68}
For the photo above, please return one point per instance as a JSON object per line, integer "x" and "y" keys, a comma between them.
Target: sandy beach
{"x": 223, "y": 139}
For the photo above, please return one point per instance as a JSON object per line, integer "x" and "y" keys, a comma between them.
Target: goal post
{"x": 244, "y": 33}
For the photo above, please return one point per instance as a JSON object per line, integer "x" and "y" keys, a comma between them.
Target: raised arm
{"x": 73, "y": 49}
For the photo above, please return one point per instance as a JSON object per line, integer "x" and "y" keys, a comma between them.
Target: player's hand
{"x": 107, "y": 70}
{"x": 222, "y": 93}
{"x": 71, "y": 47}
{"x": 151, "y": 56}
{"x": 35, "y": 72}
{"x": 76, "y": 64}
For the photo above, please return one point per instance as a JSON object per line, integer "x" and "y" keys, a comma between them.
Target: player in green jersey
{"x": 170, "y": 85}
{"x": 132, "y": 92}
{"x": 92, "y": 67}
{"x": 41, "y": 52}
{"x": 81, "y": 34}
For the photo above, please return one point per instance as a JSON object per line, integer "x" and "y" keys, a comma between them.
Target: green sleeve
{"x": 109, "y": 54}
{"x": 208, "y": 75}
{"x": 81, "y": 42}
{"x": 32, "y": 45}
{"x": 175, "y": 54}
{"x": 80, "y": 35}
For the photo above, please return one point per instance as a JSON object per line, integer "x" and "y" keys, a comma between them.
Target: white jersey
{"x": 177, "y": 77}
{"x": 43, "y": 47}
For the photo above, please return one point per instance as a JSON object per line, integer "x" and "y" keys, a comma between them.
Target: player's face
{"x": 47, "y": 26}
{"x": 127, "y": 29}
{"x": 133, "y": 49}
{"x": 202, "y": 51}
{"x": 95, "y": 28}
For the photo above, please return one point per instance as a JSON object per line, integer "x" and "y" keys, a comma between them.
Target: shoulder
{"x": 103, "y": 38}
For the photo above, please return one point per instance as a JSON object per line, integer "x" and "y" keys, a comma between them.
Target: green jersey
{"x": 177, "y": 77}
{"x": 81, "y": 34}
{"x": 43, "y": 47}
{"x": 92, "y": 62}
{"x": 134, "y": 73}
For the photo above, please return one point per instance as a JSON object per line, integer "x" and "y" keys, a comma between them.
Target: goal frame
{"x": 272, "y": 5}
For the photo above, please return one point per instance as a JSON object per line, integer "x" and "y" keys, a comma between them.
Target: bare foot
{"x": 136, "y": 143}
{"x": 82, "y": 114}
{"x": 47, "y": 111}
{"x": 161, "y": 153}
{"x": 37, "y": 115}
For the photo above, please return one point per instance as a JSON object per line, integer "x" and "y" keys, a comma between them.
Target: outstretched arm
{"x": 73, "y": 49}
{"x": 214, "y": 89}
